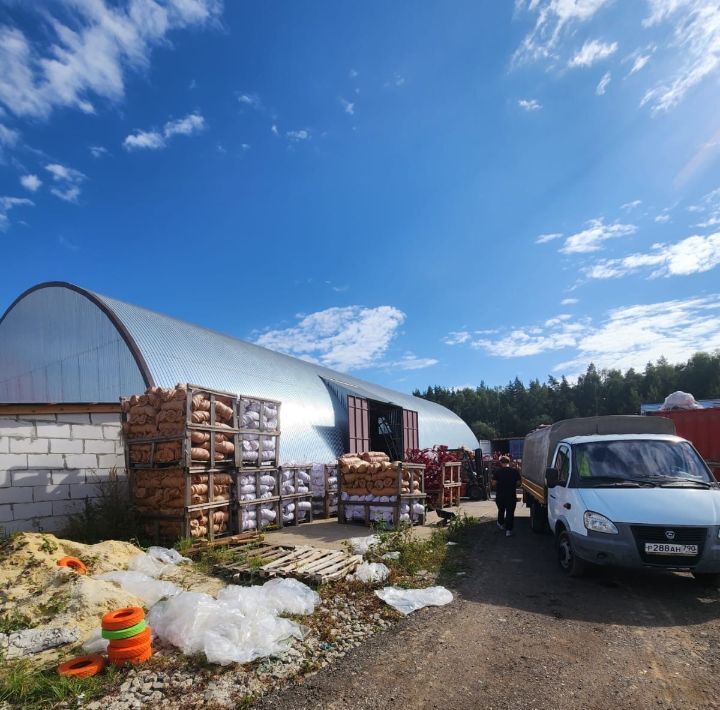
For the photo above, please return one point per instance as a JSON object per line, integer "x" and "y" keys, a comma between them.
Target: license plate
{"x": 663, "y": 548}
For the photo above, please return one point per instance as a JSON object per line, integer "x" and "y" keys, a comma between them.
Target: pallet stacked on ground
{"x": 180, "y": 453}
{"x": 374, "y": 490}
{"x": 259, "y": 439}
{"x": 324, "y": 485}
{"x": 295, "y": 494}
{"x": 257, "y": 498}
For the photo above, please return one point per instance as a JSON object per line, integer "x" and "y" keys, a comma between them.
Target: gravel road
{"x": 521, "y": 635}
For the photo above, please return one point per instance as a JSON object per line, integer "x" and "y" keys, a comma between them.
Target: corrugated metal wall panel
{"x": 57, "y": 324}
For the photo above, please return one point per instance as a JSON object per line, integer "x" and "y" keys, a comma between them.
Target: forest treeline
{"x": 516, "y": 408}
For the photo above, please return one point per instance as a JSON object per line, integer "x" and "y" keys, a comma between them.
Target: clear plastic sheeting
{"x": 680, "y": 400}
{"x": 361, "y": 545}
{"x": 278, "y": 596}
{"x": 156, "y": 561}
{"x": 95, "y": 643}
{"x": 371, "y": 573}
{"x": 166, "y": 555}
{"x": 150, "y": 590}
{"x": 233, "y": 629}
{"x": 407, "y": 601}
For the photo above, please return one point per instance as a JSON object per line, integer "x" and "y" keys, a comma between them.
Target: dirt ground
{"x": 522, "y": 635}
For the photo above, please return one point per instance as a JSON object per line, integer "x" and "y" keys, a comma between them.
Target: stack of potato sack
{"x": 162, "y": 492}
{"x": 161, "y": 413}
{"x": 251, "y": 489}
{"x": 368, "y": 476}
{"x": 258, "y": 450}
{"x": 322, "y": 484}
{"x": 295, "y": 510}
{"x": 256, "y": 414}
{"x": 256, "y": 517}
{"x": 295, "y": 480}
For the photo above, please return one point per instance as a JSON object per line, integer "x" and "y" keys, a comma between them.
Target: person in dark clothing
{"x": 506, "y": 480}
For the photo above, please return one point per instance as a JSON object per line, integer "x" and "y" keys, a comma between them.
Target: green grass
{"x": 24, "y": 686}
{"x": 13, "y": 621}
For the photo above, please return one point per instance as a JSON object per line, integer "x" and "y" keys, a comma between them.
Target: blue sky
{"x": 418, "y": 192}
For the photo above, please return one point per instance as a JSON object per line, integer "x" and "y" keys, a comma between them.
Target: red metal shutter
{"x": 358, "y": 425}
{"x": 410, "y": 430}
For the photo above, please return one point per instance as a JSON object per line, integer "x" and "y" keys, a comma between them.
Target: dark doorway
{"x": 386, "y": 430}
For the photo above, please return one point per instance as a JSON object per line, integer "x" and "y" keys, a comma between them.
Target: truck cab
{"x": 628, "y": 500}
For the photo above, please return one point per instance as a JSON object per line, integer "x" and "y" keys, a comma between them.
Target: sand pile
{"x": 35, "y": 592}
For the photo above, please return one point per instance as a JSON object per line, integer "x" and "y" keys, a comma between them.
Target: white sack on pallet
{"x": 680, "y": 400}
{"x": 408, "y": 600}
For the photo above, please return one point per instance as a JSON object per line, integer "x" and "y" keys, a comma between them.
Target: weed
{"x": 206, "y": 560}
{"x": 47, "y": 545}
{"x": 55, "y": 605}
{"x": 23, "y": 685}
{"x": 183, "y": 545}
{"x": 107, "y": 517}
{"x": 13, "y": 621}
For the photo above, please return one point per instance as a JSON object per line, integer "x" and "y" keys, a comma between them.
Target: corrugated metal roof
{"x": 313, "y": 418}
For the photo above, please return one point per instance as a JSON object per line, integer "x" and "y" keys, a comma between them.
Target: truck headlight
{"x": 599, "y": 523}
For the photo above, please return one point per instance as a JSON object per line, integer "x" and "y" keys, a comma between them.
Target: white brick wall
{"x": 50, "y": 464}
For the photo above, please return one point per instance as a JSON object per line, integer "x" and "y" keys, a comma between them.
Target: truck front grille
{"x": 683, "y": 536}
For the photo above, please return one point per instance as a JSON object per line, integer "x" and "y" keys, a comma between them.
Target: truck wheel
{"x": 538, "y": 517}
{"x": 570, "y": 563}
{"x": 707, "y": 579}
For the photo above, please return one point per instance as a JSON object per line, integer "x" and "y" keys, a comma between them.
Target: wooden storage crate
{"x": 189, "y": 426}
{"x": 326, "y": 505}
{"x": 258, "y": 478}
{"x": 248, "y": 407}
{"x": 293, "y": 478}
{"x": 174, "y": 501}
{"x": 299, "y": 517}
{"x": 373, "y": 512}
{"x": 249, "y": 455}
{"x": 448, "y": 494}
{"x": 243, "y": 508}
{"x": 408, "y": 487}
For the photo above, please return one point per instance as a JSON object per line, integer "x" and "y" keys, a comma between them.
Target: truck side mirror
{"x": 551, "y": 477}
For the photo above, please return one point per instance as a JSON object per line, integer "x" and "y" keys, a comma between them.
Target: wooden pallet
{"x": 302, "y": 561}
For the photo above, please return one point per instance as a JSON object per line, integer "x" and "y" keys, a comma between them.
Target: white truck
{"x": 623, "y": 491}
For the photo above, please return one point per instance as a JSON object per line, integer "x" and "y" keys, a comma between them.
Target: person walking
{"x": 506, "y": 479}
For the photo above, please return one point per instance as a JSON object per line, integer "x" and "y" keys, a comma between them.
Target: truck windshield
{"x": 663, "y": 463}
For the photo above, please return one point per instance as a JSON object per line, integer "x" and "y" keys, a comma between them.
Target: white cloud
{"x": 596, "y": 232}
{"x": 601, "y": 88}
{"x": 8, "y": 137}
{"x": 9, "y": 203}
{"x": 456, "y": 337}
{"x": 353, "y": 74}
{"x": 710, "y": 205}
{"x": 545, "y": 238}
{"x": 348, "y": 106}
{"x": 274, "y": 130}
{"x": 349, "y": 338}
{"x": 155, "y": 140}
{"x": 90, "y": 54}
{"x": 630, "y": 336}
{"x": 555, "y": 19}
{"x": 568, "y": 301}
{"x": 67, "y": 182}
{"x": 31, "y": 182}
{"x": 639, "y": 63}
{"x": 410, "y": 361}
{"x": 251, "y": 100}
{"x": 296, "y": 136}
{"x": 631, "y": 205}
{"x": 529, "y": 104}
{"x": 97, "y": 151}
{"x": 635, "y": 335}
{"x": 692, "y": 255}
{"x": 591, "y": 52}
{"x": 662, "y": 218}
{"x": 696, "y": 35}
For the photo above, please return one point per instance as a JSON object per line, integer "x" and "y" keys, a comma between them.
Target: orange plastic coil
{"x": 130, "y": 652}
{"x": 138, "y": 640}
{"x": 122, "y": 618}
{"x": 137, "y": 658}
{"x": 73, "y": 563}
{"x": 82, "y": 666}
